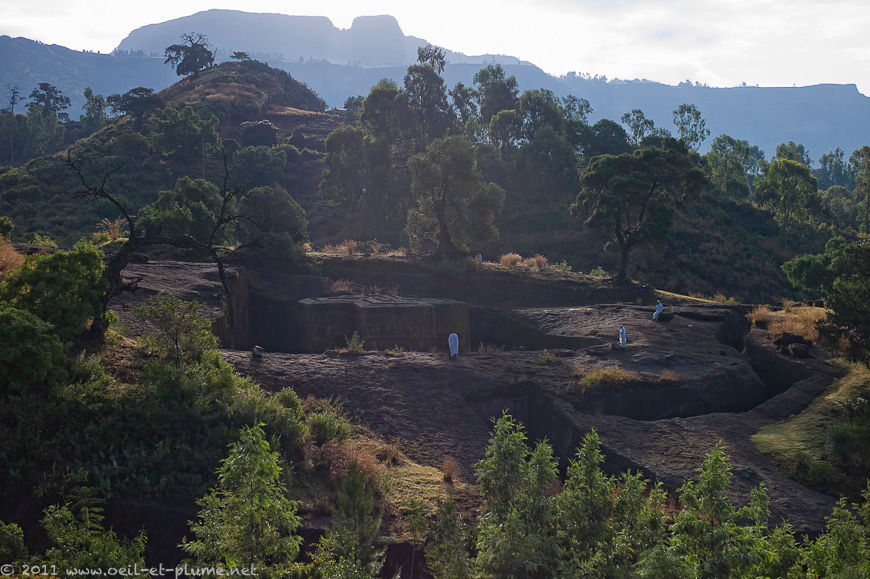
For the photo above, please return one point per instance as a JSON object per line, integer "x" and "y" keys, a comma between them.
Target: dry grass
{"x": 511, "y": 259}
{"x": 604, "y": 377}
{"x": 449, "y": 468}
{"x": 536, "y": 262}
{"x": 547, "y": 358}
{"x": 723, "y": 299}
{"x": 800, "y": 321}
{"x": 371, "y": 456}
{"x": 111, "y": 229}
{"x": 669, "y": 376}
{"x": 342, "y": 286}
{"x": 761, "y": 316}
{"x": 346, "y": 248}
{"x": 375, "y": 290}
{"x": 9, "y": 258}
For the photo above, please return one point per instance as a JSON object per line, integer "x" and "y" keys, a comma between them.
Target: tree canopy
{"x": 191, "y": 56}
{"x": 632, "y": 196}
{"x": 453, "y": 203}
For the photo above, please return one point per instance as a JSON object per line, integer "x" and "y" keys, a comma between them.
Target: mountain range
{"x": 340, "y": 63}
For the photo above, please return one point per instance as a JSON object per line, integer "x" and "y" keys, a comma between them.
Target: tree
{"x": 352, "y": 108}
{"x": 14, "y": 97}
{"x": 576, "y": 109}
{"x": 464, "y": 100}
{"x": 516, "y": 535}
{"x": 860, "y": 160}
{"x": 632, "y": 196}
{"x": 189, "y": 209}
{"x": 181, "y": 333}
{"x": 351, "y": 548}
{"x": 539, "y": 109}
{"x": 638, "y": 126}
{"x": 182, "y": 132}
{"x": 273, "y": 222}
{"x": 447, "y": 548}
{"x": 692, "y": 127}
{"x": 6, "y": 228}
{"x": 190, "y": 57}
{"x": 247, "y": 519}
{"x": 793, "y": 152}
{"x": 849, "y": 299}
{"x": 139, "y": 103}
{"x": 52, "y": 101}
{"x": 712, "y": 536}
{"x": 453, "y": 204}
{"x": 241, "y": 56}
{"x": 817, "y": 273}
{"x": 95, "y": 112}
{"x": 547, "y": 167}
{"x": 604, "y": 138}
{"x": 505, "y": 130}
{"x": 495, "y": 92}
{"x": 788, "y": 188}
{"x": 834, "y": 170}
{"x": 427, "y": 96}
{"x": 733, "y": 166}
{"x": 223, "y": 220}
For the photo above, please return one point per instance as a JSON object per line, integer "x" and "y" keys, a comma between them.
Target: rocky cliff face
{"x": 370, "y": 41}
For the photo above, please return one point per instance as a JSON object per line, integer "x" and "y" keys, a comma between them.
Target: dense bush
{"x": 63, "y": 288}
{"x": 31, "y": 355}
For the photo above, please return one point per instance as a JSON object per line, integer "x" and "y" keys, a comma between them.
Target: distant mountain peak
{"x": 371, "y": 41}
{"x": 378, "y": 23}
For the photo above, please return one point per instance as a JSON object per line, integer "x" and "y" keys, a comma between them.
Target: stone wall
{"x": 383, "y": 321}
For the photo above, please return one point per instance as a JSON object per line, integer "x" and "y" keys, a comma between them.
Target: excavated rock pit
{"x": 696, "y": 377}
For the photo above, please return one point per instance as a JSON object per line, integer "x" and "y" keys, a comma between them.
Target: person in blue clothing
{"x": 453, "y": 342}
{"x": 659, "y": 308}
{"x": 622, "y": 335}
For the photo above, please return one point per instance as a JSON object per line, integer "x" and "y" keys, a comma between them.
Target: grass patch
{"x": 696, "y": 298}
{"x": 802, "y": 440}
{"x": 604, "y": 377}
{"x": 798, "y": 320}
{"x": 547, "y": 358}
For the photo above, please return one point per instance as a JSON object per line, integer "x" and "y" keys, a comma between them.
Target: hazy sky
{"x": 719, "y": 42}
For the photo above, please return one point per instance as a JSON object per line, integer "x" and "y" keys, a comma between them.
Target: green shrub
{"x": 182, "y": 334}
{"x": 355, "y": 343}
{"x": 328, "y": 425}
{"x": 821, "y": 472}
{"x": 841, "y": 439}
{"x": 79, "y": 540}
{"x": 31, "y": 355}
{"x": 6, "y": 227}
{"x": 63, "y": 289}
{"x": 547, "y": 358}
{"x": 12, "y": 547}
{"x": 290, "y": 400}
{"x": 601, "y": 377}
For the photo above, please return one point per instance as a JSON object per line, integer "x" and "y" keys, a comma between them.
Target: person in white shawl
{"x": 659, "y": 308}
{"x": 453, "y": 342}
